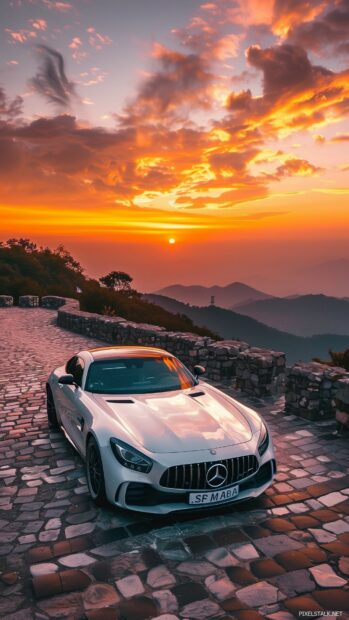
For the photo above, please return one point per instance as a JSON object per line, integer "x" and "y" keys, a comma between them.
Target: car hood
{"x": 178, "y": 421}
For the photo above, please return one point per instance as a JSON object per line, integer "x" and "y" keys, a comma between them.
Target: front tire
{"x": 95, "y": 473}
{"x": 51, "y": 410}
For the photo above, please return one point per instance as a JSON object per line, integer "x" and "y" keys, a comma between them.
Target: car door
{"x": 71, "y": 406}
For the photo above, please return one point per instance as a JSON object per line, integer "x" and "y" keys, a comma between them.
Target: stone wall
{"x": 311, "y": 390}
{"x": 6, "y": 301}
{"x": 254, "y": 371}
{"x": 54, "y": 302}
{"x": 28, "y": 301}
{"x": 342, "y": 403}
{"x": 261, "y": 371}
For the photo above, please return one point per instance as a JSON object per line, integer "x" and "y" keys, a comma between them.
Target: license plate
{"x": 212, "y": 497}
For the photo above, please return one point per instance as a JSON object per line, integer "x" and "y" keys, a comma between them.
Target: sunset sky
{"x": 221, "y": 126}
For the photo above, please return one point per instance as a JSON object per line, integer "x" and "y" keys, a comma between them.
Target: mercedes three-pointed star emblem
{"x": 216, "y": 475}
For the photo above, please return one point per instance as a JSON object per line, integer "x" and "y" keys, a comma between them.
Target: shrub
{"x": 338, "y": 358}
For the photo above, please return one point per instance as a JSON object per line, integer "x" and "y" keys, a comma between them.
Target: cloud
{"x": 206, "y": 37}
{"x": 21, "y": 36}
{"x": 51, "y": 81}
{"x": 289, "y": 13}
{"x": 297, "y": 95}
{"x": 96, "y": 39}
{"x": 232, "y": 161}
{"x": 328, "y": 32}
{"x": 156, "y": 155}
{"x": 62, "y": 7}
{"x": 75, "y": 43}
{"x": 38, "y": 24}
{"x": 295, "y": 166}
{"x": 182, "y": 81}
{"x": 286, "y": 69}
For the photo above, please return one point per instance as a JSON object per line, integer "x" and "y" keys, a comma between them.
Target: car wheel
{"x": 51, "y": 410}
{"x": 94, "y": 473}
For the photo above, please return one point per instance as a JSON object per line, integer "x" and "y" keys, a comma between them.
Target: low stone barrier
{"x": 254, "y": 371}
{"x": 53, "y": 302}
{"x": 28, "y": 301}
{"x": 311, "y": 390}
{"x": 6, "y": 301}
{"x": 261, "y": 371}
{"x": 342, "y": 403}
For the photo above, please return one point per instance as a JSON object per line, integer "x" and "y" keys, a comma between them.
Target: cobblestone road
{"x": 61, "y": 557}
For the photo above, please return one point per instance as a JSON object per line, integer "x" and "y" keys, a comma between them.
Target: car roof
{"x": 109, "y": 353}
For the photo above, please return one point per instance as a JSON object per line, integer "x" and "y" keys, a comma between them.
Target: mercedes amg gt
{"x": 155, "y": 437}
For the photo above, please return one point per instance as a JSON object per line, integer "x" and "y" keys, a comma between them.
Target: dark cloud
{"x": 240, "y": 101}
{"x": 51, "y": 81}
{"x": 182, "y": 81}
{"x": 330, "y": 30}
{"x": 286, "y": 69}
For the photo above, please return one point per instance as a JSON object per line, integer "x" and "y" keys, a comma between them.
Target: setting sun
{"x": 172, "y": 240}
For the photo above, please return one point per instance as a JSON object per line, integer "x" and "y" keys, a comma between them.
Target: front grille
{"x": 139, "y": 494}
{"x": 193, "y": 476}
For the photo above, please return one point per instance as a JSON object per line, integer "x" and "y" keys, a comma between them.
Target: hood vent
{"x": 196, "y": 394}
{"x": 121, "y": 401}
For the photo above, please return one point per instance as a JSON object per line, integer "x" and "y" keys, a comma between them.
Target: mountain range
{"x": 229, "y": 324}
{"x": 303, "y": 315}
{"x": 227, "y": 296}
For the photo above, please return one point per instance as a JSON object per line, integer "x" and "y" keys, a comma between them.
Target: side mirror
{"x": 66, "y": 380}
{"x": 199, "y": 370}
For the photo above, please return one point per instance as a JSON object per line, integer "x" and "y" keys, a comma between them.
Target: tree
{"x": 68, "y": 260}
{"x": 118, "y": 281}
{"x": 24, "y": 244}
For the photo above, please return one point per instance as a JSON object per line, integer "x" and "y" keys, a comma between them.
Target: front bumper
{"x": 132, "y": 490}
{"x": 144, "y": 497}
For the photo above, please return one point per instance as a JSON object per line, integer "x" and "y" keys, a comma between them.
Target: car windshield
{"x": 138, "y": 375}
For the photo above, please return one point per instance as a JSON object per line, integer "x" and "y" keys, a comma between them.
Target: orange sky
{"x": 233, "y": 140}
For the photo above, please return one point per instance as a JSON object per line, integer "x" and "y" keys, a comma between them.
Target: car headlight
{"x": 130, "y": 457}
{"x": 263, "y": 441}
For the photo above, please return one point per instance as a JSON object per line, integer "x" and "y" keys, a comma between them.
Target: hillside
{"x": 227, "y": 296}
{"x": 28, "y": 269}
{"x": 229, "y": 324}
{"x": 304, "y": 315}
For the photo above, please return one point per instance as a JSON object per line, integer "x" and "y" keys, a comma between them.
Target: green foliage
{"x": 26, "y": 269}
{"x": 340, "y": 359}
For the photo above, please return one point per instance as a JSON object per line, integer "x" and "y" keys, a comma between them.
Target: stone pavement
{"x": 61, "y": 557}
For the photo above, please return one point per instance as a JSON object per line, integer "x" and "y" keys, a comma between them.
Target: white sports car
{"x": 155, "y": 438}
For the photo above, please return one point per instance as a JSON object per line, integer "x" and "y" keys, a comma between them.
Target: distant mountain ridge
{"x": 231, "y": 325}
{"x": 228, "y": 296}
{"x": 302, "y": 315}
